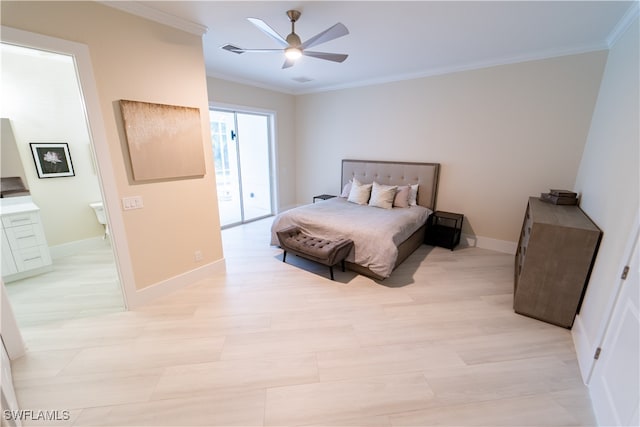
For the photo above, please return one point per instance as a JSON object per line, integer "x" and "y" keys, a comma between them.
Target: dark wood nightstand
{"x": 444, "y": 229}
{"x": 323, "y": 197}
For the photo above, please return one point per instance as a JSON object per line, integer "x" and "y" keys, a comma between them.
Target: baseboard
{"x": 78, "y": 247}
{"x": 503, "y": 246}
{"x": 584, "y": 349}
{"x": 148, "y": 294}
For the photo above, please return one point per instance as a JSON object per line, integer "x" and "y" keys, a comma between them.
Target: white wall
{"x": 608, "y": 180}
{"x": 501, "y": 135}
{"x": 41, "y": 98}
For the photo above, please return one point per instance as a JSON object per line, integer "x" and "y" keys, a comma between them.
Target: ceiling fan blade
{"x": 335, "y": 57}
{"x": 331, "y": 33}
{"x": 288, "y": 63}
{"x": 260, "y": 50}
{"x": 269, "y": 31}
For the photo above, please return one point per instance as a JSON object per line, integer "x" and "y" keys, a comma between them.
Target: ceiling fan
{"x": 292, "y": 46}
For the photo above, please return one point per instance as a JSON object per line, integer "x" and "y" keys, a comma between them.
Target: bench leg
{"x": 284, "y": 256}
{"x": 331, "y": 271}
{"x": 343, "y": 266}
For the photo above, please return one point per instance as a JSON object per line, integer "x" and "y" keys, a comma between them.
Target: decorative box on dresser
{"x": 557, "y": 248}
{"x": 24, "y": 246}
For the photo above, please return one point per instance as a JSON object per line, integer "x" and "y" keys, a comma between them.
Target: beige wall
{"x": 501, "y": 134}
{"x": 141, "y": 60}
{"x": 283, "y": 105}
{"x": 609, "y": 181}
{"x": 41, "y": 97}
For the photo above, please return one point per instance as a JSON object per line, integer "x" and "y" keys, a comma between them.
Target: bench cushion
{"x": 315, "y": 248}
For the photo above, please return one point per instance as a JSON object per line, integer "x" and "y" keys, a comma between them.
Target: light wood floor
{"x": 270, "y": 344}
{"x": 79, "y": 285}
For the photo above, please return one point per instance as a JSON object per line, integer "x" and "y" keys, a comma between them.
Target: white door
{"x": 615, "y": 384}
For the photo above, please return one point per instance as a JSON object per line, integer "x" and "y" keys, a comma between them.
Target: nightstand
{"x": 444, "y": 229}
{"x": 323, "y": 197}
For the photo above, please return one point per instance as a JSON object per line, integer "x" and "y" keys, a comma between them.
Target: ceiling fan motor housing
{"x": 293, "y": 40}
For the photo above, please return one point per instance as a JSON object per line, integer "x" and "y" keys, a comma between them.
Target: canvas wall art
{"x": 165, "y": 141}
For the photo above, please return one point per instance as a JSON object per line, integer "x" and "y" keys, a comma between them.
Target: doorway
{"x": 44, "y": 102}
{"x": 242, "y": 145}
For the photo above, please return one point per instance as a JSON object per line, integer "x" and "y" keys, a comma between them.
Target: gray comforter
{"x": 376, "y": 232}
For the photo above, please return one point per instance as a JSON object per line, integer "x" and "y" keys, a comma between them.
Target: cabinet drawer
{"x": 20, "y": 219}
{"x": 27, "y": 259}
{"x": 25, "y": 236}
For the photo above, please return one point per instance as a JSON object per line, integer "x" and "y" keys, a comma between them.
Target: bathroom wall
{"x": 42, "y": 100}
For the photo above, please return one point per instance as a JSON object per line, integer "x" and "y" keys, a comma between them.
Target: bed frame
{"x": 396, "y": 173}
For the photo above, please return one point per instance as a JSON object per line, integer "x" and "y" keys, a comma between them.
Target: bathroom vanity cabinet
{"x": 24, "y": 246}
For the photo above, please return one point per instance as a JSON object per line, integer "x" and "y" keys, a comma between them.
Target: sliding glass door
{"x": 241, "y": 144}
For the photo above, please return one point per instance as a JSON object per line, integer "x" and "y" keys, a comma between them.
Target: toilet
{"x": 98, "y": 208}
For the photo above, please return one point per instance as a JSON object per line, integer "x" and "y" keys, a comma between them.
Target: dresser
{"x": 556, "y": 251}
{"x": 24, "y": 246}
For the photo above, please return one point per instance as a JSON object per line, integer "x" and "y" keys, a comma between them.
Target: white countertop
{"x": 13, "y": 205}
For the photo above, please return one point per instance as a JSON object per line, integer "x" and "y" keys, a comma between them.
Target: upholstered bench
{"x": 323, "y": 251}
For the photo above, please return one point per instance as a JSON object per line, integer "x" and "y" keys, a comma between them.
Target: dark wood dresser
{"x": 558, "y": 245}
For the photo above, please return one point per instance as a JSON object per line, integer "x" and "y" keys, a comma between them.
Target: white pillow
{"x": 359, "y": 193}
{"x": 346, "y": 189}
{"x": 413, "y": 195}
{"x": 382, "y": 195}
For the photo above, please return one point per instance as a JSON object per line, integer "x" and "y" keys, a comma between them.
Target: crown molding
{"x": 495, "y": 62}
{"x": 624, "y": 23}
{"x": 144, "y": 11}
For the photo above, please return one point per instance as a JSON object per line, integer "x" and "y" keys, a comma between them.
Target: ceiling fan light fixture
{"x": 292, "y": 53}
{"x": 292, "y": 46}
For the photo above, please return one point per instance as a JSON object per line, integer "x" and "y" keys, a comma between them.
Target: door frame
{"x": 98, "y": 140}
{"x": 272, "y": 117}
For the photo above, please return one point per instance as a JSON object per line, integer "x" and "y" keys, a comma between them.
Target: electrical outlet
{"x": 197, "y": 256}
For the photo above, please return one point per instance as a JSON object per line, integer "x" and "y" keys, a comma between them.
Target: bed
{"x": 383, "y": 238}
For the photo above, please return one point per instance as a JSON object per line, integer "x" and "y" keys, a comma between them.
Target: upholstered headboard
{"x": 396, "y": 173}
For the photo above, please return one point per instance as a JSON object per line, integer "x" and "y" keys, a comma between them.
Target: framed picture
{"x": 52, "y": 159}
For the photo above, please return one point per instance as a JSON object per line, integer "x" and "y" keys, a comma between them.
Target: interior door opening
{"x": 241, "y": 144}
{"x": 44, "y": 101}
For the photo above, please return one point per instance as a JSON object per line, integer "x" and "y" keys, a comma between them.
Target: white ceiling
{"x": 389, "y": 40}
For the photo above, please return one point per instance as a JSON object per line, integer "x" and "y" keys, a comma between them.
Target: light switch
{"x": 134, "y": 202}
